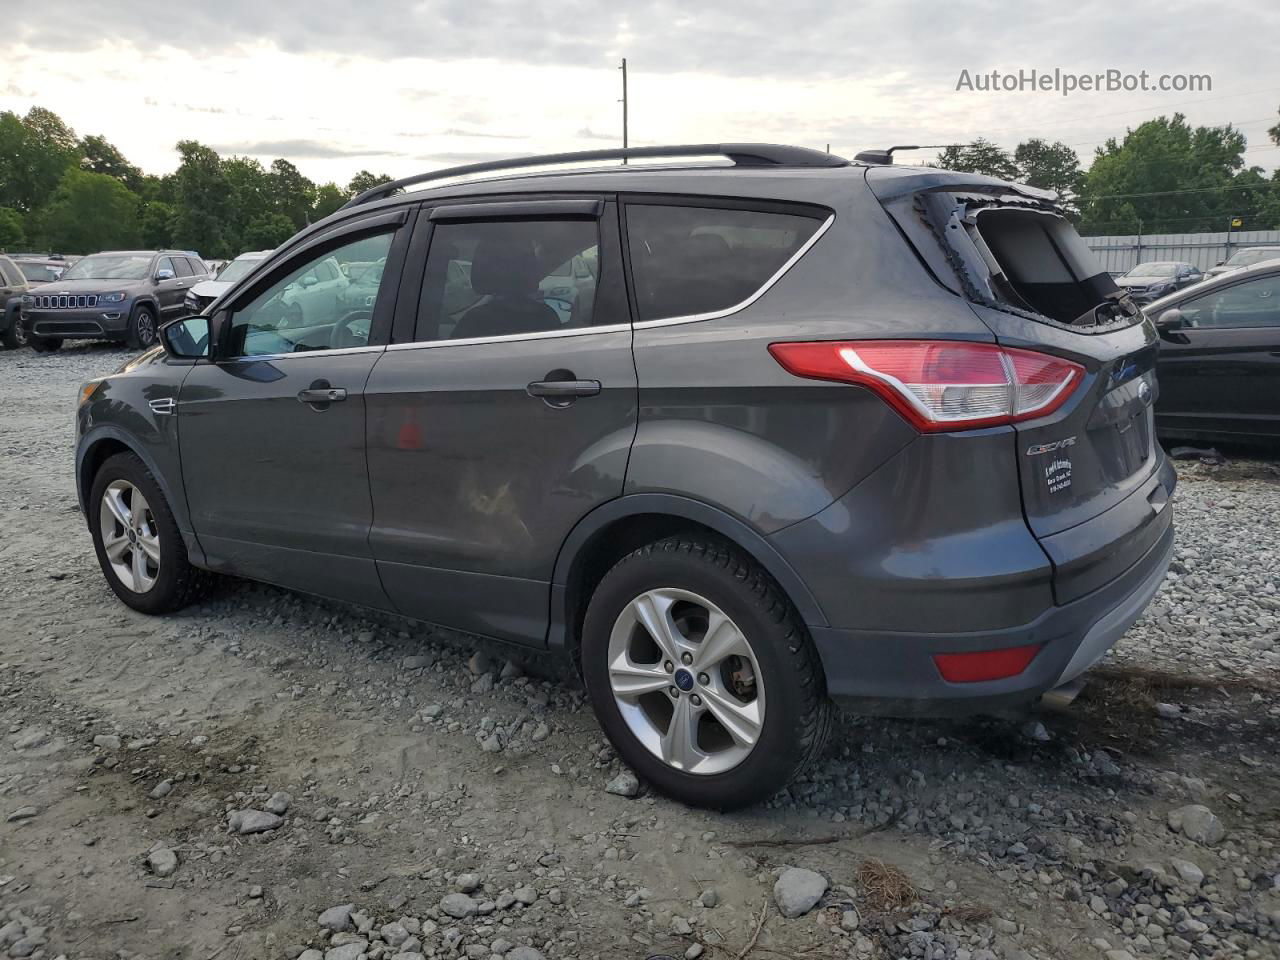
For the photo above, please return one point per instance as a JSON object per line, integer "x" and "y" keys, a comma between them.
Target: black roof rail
{"x": 742, "y": 154}
{"x": 882, "y": 157}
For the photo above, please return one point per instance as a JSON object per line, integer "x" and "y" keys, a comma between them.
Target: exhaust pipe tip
{"x": 1061, "y": 697}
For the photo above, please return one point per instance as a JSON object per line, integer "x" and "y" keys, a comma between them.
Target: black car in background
{"x": 1219, "y": 362}
{"x": 1150, "y": 281}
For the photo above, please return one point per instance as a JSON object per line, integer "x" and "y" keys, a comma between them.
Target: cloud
{"x": 310, "y": 149}
{"x": 747, "y": 38}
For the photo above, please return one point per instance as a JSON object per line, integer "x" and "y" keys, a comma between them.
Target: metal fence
{"x": 1118, "y": 254}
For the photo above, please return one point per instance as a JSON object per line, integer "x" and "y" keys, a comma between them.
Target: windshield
{"x": 1247, "y": 258}
{"x": 38, "y": 272}
{"x": 236, "y": 269}
{"x": 1153, "y": 270}
{"x": 110, "y": 266}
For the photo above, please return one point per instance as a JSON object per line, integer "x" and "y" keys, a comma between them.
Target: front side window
{"x": 312, "y": 307}
{"x": 695, "y": 260}
{"x": 182, "y": 266}
{"x": 509, "y": 277}
{"x": 1254, "y": 303}
{"x": 166, "y": 263}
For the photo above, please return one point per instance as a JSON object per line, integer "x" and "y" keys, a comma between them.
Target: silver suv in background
{"x": 744, "y": 440}
{"x": 121, "y": 295}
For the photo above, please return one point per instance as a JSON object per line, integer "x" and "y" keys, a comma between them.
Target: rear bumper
{"x": 79, "y": 324}
{"x": 894, "y": 673}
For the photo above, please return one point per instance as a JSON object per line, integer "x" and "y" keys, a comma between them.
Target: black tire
{"x": 43, "y": 344}
{"x": 15, "y": 337}
{"x": 143, "y": 327}
{"x": 177, "y": 582}
{"x": 798, "y": 715}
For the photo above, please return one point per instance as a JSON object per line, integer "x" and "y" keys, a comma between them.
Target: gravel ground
{"x": 274, "y": 776}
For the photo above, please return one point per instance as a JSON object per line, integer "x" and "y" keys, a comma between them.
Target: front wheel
{"x": 142, "y": 328}
{"x": 702, "y": 674}
{"x": 15, "y": 337}
{"x": 139, "y": 546}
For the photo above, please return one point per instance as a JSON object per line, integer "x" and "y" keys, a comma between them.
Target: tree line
{"x": 72, "y": 194}
{"x": 1163, "y": 176}
{"x": 60, "y": 191}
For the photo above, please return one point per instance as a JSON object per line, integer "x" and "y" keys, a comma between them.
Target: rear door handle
{"x": 563, "y": 389}
{"x": 322, "y": 395}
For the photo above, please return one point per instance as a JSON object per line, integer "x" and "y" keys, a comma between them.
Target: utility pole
{"x": 624, "y": 106}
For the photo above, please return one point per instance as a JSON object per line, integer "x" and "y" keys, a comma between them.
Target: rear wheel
{"x": 143, "y": 329}
{"x": 137, "y": 540}
{"x": 702, "y": 674}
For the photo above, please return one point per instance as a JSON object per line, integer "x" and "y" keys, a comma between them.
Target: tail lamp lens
{"x": 941, "y": 385}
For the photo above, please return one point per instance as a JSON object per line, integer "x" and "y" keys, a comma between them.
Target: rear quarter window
{"x": 691, "y": 260}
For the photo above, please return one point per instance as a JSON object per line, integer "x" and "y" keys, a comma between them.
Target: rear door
{"x": 272, "y": 434}
{"x": 504, "y": 412}
{"x": 1220, "y": 370}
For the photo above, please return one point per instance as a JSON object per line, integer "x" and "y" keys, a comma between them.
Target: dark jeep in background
{"x": 121, "y": 295}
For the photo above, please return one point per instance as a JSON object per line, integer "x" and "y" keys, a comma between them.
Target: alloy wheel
{"x": 146, "y": 328}
{"x": 130, "y": 536}
{"x": 686, "y": 681}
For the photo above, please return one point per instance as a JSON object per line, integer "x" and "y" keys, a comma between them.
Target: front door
{"x": 505, "y": 415}
{"x": 1219, "y": 371}
{"x": 272, "y": 433}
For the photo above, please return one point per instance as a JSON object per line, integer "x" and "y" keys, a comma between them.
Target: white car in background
{"x": 206, "y": 291}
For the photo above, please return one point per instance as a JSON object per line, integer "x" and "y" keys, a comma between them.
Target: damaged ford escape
{"x": 747, "y": 430}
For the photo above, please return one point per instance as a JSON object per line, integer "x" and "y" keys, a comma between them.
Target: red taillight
{"x": 941, "y": 384}
{"x": 985, "y": 664}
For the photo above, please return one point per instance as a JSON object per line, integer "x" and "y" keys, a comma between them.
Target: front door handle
{"x": 564, "y": 389}
{"x": 322, "y": 395}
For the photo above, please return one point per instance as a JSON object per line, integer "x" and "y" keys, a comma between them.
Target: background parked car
{"x": 1219, "y": 362}
{"x": 206, "y": 291}
{"x": 1149, "y": 281}
{"x": 40, "y": 269}
{"x": 1245, "y": 258}
{"x": 13, "y": 284}
{"x": 115, "y": 295}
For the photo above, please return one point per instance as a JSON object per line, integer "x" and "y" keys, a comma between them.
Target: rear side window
{"x": 495, "y": 278}
{"x": 695, "y": 260}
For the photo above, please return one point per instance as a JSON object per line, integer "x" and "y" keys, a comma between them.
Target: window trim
{"x": 556, "y": 209}
{"x": 717, "y": 203}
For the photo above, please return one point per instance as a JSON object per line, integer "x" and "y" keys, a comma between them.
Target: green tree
{"x": 267, "y": 231}
{"x": 290, "y": 193}
{"x": 329, "y": 197}
{"x": 1167, "y": 177}
{"x": 35, "y": 151}
{"x": 100, "y": 156}
{"x": 156, "y": 224}
{"x": 249, "y": 197}
{"x": 202, "y": 202}
{"x": 12, "y": 233}
{"x": 1049, "y": 166}
{"x": 364, "y": 180}
{"x": 981, "y": 156}
{"x": 90, "y": 212}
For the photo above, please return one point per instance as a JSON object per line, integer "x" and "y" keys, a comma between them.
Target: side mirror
{"x": 186, "y": 339}
{"x": 1172, "y": 319}
{"x": 163, "y": 274}
{"x": 1220, "y": 263}
{"x": 309, "y": 280}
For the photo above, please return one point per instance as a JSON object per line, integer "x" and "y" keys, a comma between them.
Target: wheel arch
{"x": 106, "y": 441}
{"x": 616, "y": 528}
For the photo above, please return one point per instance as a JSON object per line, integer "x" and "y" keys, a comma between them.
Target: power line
{"x": 1175, "y": 193}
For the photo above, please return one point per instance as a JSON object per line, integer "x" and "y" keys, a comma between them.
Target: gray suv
{"x": 116, "y": 295}
{"x": 745, "y": 439}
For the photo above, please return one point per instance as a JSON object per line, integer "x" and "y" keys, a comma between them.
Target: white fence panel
{"x": 1118, "y": 254}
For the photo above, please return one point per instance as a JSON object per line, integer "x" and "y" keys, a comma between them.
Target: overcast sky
{"x": 399, "y": 87}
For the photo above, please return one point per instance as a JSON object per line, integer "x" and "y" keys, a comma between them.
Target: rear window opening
{"x": 1039, "y": 263}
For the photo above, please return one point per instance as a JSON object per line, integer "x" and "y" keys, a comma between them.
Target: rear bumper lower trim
{"x": 894, "y": 674}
